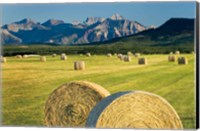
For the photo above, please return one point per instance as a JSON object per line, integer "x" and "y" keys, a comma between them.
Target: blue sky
{"x": 146, "y": 13}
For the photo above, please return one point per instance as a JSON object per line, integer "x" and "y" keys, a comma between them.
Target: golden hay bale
{"x": 129, "y": 53}
{"x": 63, "y": 56}
{"x": 109, "y": 55}
{"x": 172, "y": 58}
{"x": 3, "y": 59}
{"x": 25, "y": 56}
{"x": 177, "y": 52}
{"x": 127, "y": 58}
{"x": 43, "y": 59}
{"x": 142, "y": 61}
{"x": 137, "y": 54}
{"x": 88, "y": 54}
{"x": 136, "y": 109}
{"x": 120, "y": 56}
{"x": 115, "y": 54}
{"x": 70, "y": 104}
{"x": 54, "y": 55}
{"x": 182, "y": 60}
{"x": 171, "y": 53}
{"x": 19, "y": 56}
{"x": 79, "y": 65}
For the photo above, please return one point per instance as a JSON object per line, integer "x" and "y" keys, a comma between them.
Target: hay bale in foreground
{"x": 43, "y": 59}
{"x": 70, "y": 104}
{"x": 109, "y": 55}
{"x": 3, "y": 59}
{"x": 79, "y": 65}
{"x": 54, "y": 55}
{"x": 88, "y": 54}
{"x": 63, "y": 56}
{"x": 127, "y": 58}
{"x": 136, "y": 109}
{"x": 171, "y": 58}
{"x": 142, "y": 61}
{"x": 182, "y": 60}
{"x": 19, "y": 56}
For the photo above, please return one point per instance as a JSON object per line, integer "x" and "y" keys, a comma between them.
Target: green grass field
{"x": 28, "y": 82}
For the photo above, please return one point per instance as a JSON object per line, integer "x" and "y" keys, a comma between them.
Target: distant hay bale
{"x": 120, "y": 56}
{"x": 43, "y": 59}
{"x": 79, "y": 65}
{"x": 172, "y": 58}
{"x": 182, "y": 60}
{"x": 54, "y": 55}
{"x": 115, "y": 54}
{"x": 171, "y": 53}
{"x": 3, "y": 59}
{"x": 88, "y": 54}
{"x": 129, "y": 53}
{"x": 137, "y": 54}
{"x": 25, "y": 56}
{"x": 135, "y": 109}
{"x": 177, "y": 52}
{"x": 142, "y": 61}
{"x": 19, "y": 56}
{"x": 127, "y": 58}
{"x": 109, "y": 55}
{"x": 63, "y": 56}
{"x": 70, "y": 104}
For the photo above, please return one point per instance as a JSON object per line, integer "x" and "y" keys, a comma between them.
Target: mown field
{"x": 28, "y": 82}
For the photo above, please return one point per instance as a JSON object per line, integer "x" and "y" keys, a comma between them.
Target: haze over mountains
{"x": 93, "y": 29}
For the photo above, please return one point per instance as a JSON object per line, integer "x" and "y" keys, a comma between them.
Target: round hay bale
{"x": 3, "y": 60}
{"x": 177, "y": 52}
{"x": 142, "y": 61}
{"x": 129, "y": 53}
{"x": 88, "y": 54}
{"x": 19, "y": 56}
{"x": 63, "y": 56}
{"x": 172, "y": 58}
{"x": 135, "y": 109}
{"x": 120, "y": 56}
{"x": 109, "y": 55}
{"x": 53, "y": 55}
{"x": 182, "y": 60}
{"x": 70, "y": 104}
{"x": 127, "y": 58}
{"x": 137, "y": 54}
{"x": 25, "y": 56}
{"x": 171, "y": 53}
{"x": 79, "y": 65}
{"x": 43, "y": 59}
{"x": 115, "y": 54}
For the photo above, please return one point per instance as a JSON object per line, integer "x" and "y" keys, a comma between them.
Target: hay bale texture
{"x": 182, "y": 60}
{"x": 25, "y": 56}
{"x": 171, "y": 58}
{"x": 79, "y": 65}
{"x": 136, "y": 109}
{"x": 127, "y": 58}
{"x": 53, "y": 55}
{"x": 120, "y": 56}
{"x": 142, "y": 61}
{"x": 19, "y": 56}
{"x": 63, "y": 56}
{"x": 3, "y": 59}
{"x": 177, "y": 52}
{"x": 69, "y": 105}
{"x": 43, "y": 59}
{"x": 109, "y": 55}
{"x": 88, "y": 54}
{"x": 137, "y": 54}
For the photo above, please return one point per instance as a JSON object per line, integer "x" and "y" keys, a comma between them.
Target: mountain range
{"x": 93, "y": 29}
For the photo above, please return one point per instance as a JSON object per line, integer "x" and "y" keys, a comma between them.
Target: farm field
{"x": 27, "y": 83}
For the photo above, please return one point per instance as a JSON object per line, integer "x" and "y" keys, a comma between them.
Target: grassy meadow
{"x": 27, "y": 83}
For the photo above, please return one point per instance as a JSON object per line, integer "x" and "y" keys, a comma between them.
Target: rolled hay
{"x": 172, "y": 58}
{"x": 63, "y": 56}
{"x": 171, "y": 53}
{"x": 127, "y": 58}
{"x": 120, "y": 56}
{"x": 137, "y": 54}
{"x": 88, "y": 54}
{"x": 70, "y": 104}
{"x": 79, "y": 65}
{"x": 53, "y": 55}
{"x": 3, "y": 60}
{"x": 43, "y": 59}
{"x": 115, "y": 54}
{"x": 142, "y": 61}
{"x": 135, "y": 109}
{"x": 177, "y": 52}
{"x": 19, "y": 56}
{"x": 25, "y": 56}
{"x": 129, "y": 53}
{"x": 109, "y": 55}
{"x": 182, "y": 61}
